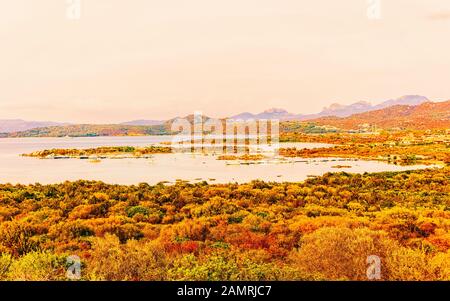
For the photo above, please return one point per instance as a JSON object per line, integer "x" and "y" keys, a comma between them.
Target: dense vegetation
{"x": 395, "y": 153}
{"x": 289, "y": 135}
{"x": 404, "y": 147}
{"x": 323, "y": 228}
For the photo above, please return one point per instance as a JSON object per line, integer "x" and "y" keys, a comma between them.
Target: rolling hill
{"x": 428, "y": 115}
{"x": 91, "y": 130}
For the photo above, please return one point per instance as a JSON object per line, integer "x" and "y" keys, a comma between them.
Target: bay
{"x": 162, "y": 167}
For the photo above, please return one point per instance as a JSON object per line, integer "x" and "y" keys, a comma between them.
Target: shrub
{"x": 111, "y": 260}
{"x": 407, "y": 264}
{"x": 5, "y": 262}
{"x": 132, "y": 211}
{"x": 340, "y": 253}
{"x": 440, "y": 265}
{"x": 18, "y": 237}
{"x": 38, "y": 266}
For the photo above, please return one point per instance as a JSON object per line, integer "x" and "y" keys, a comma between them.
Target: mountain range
{"x": 428, "y": 115}
{"x": 335, "y": 109}
{"x": 411, "y": 111}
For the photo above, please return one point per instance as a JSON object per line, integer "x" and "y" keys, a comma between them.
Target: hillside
{"x": 364, "y": 106}
{"x": 429, "y": 115}
{"x": 254, "y": 231}
{"x": 88, "y": 130}
{"x": 92, "y": 130}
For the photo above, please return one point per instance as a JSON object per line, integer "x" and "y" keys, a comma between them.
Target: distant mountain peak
{"x": 276, "y": 111}
{"x": 410, "y": 100}
{"x": 362, "y": 103}
{"x": 426, "y": 115}
{"x": 15, "y": 125}
{"x": 333, "y": 106}
{"x": 405, "y": 97}
{"x": 339, "y": 110}
{"x": 272, "y": 113}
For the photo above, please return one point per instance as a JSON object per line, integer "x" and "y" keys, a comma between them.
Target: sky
{"x": 145, "y": 59}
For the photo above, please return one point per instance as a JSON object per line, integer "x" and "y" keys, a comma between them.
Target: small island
{"x": 246, "y": 157}
{"x": 341, "y": 166}
{"x": 108, "y": 152}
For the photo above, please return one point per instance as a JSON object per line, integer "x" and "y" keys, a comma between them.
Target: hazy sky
{"x": 153, "y": 59}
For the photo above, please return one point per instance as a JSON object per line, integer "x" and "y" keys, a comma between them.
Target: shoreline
{"x": 207, "y": 181}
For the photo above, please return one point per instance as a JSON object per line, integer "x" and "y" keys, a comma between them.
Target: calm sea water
{"x": 162, "y": 167}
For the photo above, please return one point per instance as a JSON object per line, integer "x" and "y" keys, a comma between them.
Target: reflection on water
{"x": 162, "y": 167}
